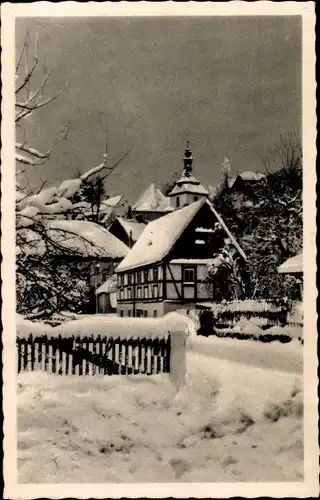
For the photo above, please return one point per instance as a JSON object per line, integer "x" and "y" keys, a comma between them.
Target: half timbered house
{"x": 166, "y": 268}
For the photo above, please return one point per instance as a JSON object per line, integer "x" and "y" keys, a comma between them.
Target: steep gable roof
{"x": 152, "y": 200}
{"x": 248, "y": 176}
{"x": 108, "y": 286}
{"x": 132, "y": 228}
{"x": 159, "y": 236}
{"x": 292, "y": 265}
{"x": 86, "y": 239}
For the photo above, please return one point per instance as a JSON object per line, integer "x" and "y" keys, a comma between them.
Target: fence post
{"x": 179, "y": 333}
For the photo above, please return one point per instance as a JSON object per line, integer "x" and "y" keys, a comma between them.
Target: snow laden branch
{"x": 54, "y": 261}
{"x": 30, "y": 97}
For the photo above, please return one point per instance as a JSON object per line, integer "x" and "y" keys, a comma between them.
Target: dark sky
{"x": 232, "y": 83}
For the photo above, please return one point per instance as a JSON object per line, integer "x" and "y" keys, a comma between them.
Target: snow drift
{"x": 230, "y": 423}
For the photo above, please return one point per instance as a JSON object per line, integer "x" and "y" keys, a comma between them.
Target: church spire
{"x": 188, "y": 160}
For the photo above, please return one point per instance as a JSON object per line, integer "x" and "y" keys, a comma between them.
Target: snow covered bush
{"x": 264, "y": 213}
{"x": 225, "y": 278}
{"x": 47, "y": 285}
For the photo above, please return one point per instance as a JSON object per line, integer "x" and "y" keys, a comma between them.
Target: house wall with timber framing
{"x": 178, "y": 279}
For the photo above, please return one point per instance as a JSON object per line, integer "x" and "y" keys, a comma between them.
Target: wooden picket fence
{"x": 94, "y": 355}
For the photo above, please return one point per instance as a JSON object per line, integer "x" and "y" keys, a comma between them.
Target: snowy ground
{"x": 232, "y": 422}
{"x": 286, "y": 357}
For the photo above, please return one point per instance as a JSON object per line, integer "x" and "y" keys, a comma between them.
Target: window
{"x": 138, "y": 277}
{"x": 188, "y": 275}
{"x": 129, "y": 313}
{"x": 129, "y": 293}
{"x": 155, "y": 313}
{"x": 121, "y": 313}
{"x": 146, "y": 292}
{"x": 121, "y": 279}
{"x": 145, "y": 314}
{"x": 155, "y": 274}
{"x": 121, "y": 294}
{"x": 129, "y": 279}
{"x": 145, "y": 276}
{"x": 155, "y": 291}
{"x": 195, "y": 198}
{"x": 138, "y": 313}
{"x": 139, "y": 292}
{"x": 177, "y": 202}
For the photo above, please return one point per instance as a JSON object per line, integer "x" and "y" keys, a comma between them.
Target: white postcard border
{"x": 178, "y": 490}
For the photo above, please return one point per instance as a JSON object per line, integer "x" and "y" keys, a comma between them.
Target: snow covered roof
{"x": 132, "y": 228}
{"x": 152, "y": 200}
{"x": 86, "y": 238}
{"x": 292, "y": 265}
{"x": 188, "y": 187}
{"x": 188, "y": 184}
{"x": 204, "y": 230}
{"x": 247, "y": 176}
{"x": 112, "y": 201}
{"x": 189, "y": 179}
{"x": 109, "y": 286}
{"x": 160, "y": 235}
{"x": 190, "y": 261}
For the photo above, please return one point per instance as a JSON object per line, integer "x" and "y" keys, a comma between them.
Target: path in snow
{"x": 274, "y": 356}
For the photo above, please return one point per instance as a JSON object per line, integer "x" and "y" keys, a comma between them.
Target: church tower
{"x": 187, "y": 189}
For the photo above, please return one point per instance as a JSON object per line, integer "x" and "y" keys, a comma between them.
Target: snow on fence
{"x": 263, "y": 313}
{"x": 249, "y": 319}
{"x": 94, "y": 355}
{"x": 117, "y": 346}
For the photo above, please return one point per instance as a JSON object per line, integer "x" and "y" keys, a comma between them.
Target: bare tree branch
{"x": 30, "y": 108}
{"x": 29, "y": 72}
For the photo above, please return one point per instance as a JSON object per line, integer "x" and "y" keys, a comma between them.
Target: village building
{"x": 126, "y": 230}
{"x": 187, "y": 189}
{"x": 244, "y": 179}
{"x": 294, "y": 267}
{"x": 151, "y": 205}
{"x": 166, "y": 268}
{"x": 106, "y": 296}
{"x": 95, "y": 251}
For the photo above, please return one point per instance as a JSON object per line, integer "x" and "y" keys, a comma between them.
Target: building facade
{"x": 167, "y": 267}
